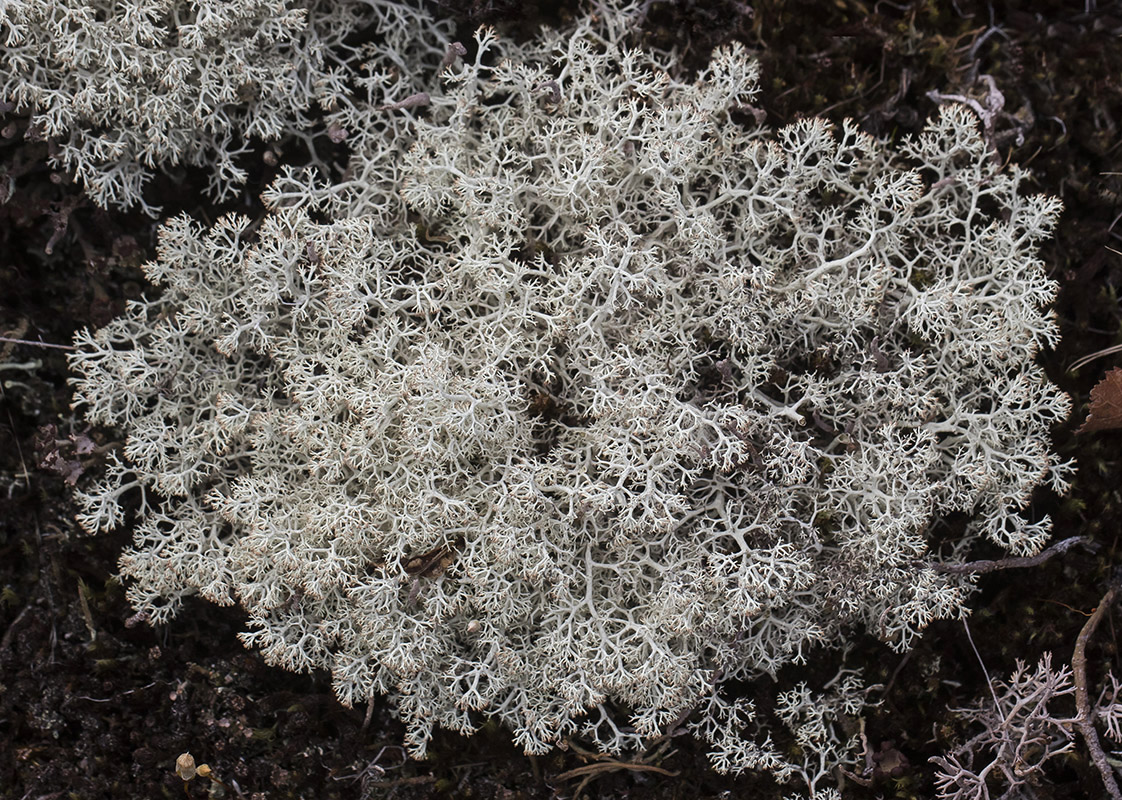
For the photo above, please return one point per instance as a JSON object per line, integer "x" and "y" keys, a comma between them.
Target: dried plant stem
{"x": 1010, "y": 563}
{"x": 32, "y": 343}
{"x": 1086, "y": 719}
{"x": 1087, "y": 359}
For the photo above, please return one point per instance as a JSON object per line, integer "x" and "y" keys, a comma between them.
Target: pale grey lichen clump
{"x": 123, "y": 89}
{"x": 578, "y": 398}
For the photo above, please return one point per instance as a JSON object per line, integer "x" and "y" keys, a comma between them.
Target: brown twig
{"x": 989, "y": 565}
{"x": 590, "y": 772}
{"x": 1086, "y": 720}
{"x": 369, "y": 715}
{"x": 603, "y": 764}
{"x": 613, "y": 765}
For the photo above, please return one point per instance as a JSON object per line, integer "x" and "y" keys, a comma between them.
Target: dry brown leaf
{"x": 1105, "y": 408}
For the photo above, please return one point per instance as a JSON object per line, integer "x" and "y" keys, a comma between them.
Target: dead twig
{"x": 604, "y": 764}
{"x": 612, "y": 765}
{"x": 989, "y": 565}
{"x": 33, "y": 343}
{"x": 590, "y": 772}
{"x": 1086, "y": 720}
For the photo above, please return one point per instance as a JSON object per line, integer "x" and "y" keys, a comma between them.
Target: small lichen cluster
{"x": 579, "y": 397}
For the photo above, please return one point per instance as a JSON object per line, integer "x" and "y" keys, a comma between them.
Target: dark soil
{"x": 96, "y": 705}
